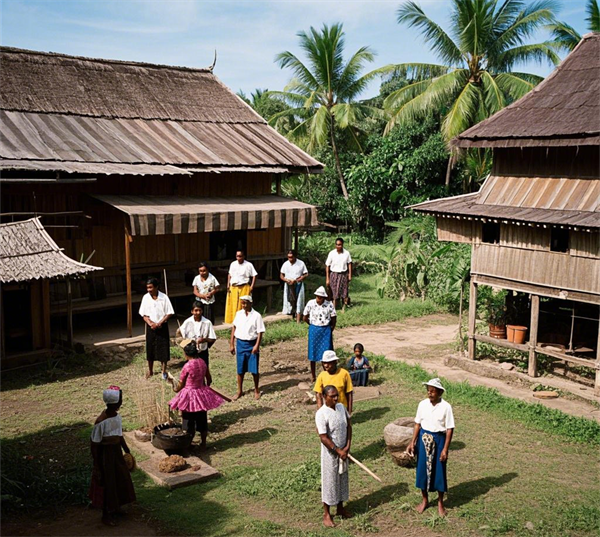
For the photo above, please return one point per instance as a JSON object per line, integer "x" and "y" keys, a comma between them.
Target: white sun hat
{"x": 329, "y": 356}
{"x": 436, "y": 383}
{"x": 321, "y": 292}
{"x": 247, "y": 298}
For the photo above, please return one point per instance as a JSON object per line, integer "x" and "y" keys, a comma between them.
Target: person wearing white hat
{"x": 321, "y": 317}
{"x": 434, "y": 426}
{"x": 246, "y": 335}
{"x": 111, "y": 485}
{"x": 334, "y": 376}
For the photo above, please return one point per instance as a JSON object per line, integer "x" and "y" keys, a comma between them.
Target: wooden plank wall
{"x": 527, "y": 237}
{"x": 455, "y": 230}
{"x": 550, "y": 269}
{"x": 577, "y": 162}
{"x": 585, "y": 244}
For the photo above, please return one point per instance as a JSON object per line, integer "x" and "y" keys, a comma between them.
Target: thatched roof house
{"x": 111, "y": 151}
{"x": 535, "y": 223}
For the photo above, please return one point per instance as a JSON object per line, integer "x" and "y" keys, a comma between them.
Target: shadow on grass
{"x": 280, "y": 385}
{"x": 237, "y": 440}
{"x": 457, "y": 446}
{"x": 374, "y": 450}
{"x": 371, "y": 414}
{"x": 220, "y": 422}
{"x": 469, "y": 490}
{"x": 378, "y": 497}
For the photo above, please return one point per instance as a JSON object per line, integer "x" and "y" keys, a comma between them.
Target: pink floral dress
{"x": 195, "y": 396}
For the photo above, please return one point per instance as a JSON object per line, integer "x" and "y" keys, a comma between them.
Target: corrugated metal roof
{"x": 163, "y": 215}
{"x": 28, "y": 253}
{"x": 564, "y": 109}
{"x": 101, "y": 168}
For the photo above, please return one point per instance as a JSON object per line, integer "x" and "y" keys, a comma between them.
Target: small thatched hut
{"x": 145, "y": 169}
{"x": 535, "y": 223}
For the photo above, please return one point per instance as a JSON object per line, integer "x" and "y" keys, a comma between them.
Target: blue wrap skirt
{"x": 437, "y": 477}
{"x": 320, "y": 339}
{"x": 247, "y": 362}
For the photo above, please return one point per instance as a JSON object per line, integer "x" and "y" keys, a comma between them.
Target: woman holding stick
{"x": 335, "y": 431}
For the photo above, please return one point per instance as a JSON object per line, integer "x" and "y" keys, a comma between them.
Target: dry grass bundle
{"x": 151, "y": 400}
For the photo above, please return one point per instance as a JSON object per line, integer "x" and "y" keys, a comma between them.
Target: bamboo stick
{"x": 361, "y": 465}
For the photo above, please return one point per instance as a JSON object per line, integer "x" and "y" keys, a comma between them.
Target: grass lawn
{"x": 511, "y": 464}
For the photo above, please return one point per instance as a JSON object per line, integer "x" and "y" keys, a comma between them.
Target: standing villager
{"x": 334, "y": 376}
{"x": 156, "y": 309}
{"x": 338, "y": 271}
{"x": 111, "y": 485}
{"x": 205, "y": 287}
{"x": 246, "y": 335}
{"x": 359, "y": 366}
{"x": 200, "y": 330}
{"x": 292, "y": 273}
{"x": 240, "y": 282}
{"x": 434, "y": 426}
{"x": 321, "y": 317}
{"x": 335, "y": 432}
{"x": 194, "y": 397}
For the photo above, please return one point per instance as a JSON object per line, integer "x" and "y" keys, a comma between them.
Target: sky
{"x": 247, "y": 34}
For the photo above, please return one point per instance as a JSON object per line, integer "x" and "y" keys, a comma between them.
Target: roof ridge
{"x": 29, "y": 52}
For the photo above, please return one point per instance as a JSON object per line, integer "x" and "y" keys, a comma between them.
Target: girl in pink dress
{"x": 194, "y": 398}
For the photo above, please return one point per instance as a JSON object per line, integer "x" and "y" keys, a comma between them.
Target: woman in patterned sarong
{"x": 320, "y": 315}
{"x": 335, "y": 433}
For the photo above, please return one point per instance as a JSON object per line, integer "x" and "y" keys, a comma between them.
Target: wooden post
{"x": 472, "y": 319}
{"x": 69, "y": 315}
{"x": 597, "y": 383}
{"x": 270, "y": 288}
{"x": 2, "y": 331}
{"x": 128, "y": 240}
{"x": 296, "y": 239}
{"x": 278, "y": 185}
{"x": 533, "y": 335}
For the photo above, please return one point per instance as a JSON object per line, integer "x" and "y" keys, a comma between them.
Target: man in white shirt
{"x": 205, "y": 287}
{"x": 156, "y": 309}
{"x": 246, "y": 334}
{"x": 434, "y": 427}
{"x": 338, "y": 272}
{"x": 292, "y": 273}
{"x": 240, "y": 281}
{"x": 200, "y": 330}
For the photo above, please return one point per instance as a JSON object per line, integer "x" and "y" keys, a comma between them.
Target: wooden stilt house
{"x": 145, "y": 170}
{"x": 535, "y": 223}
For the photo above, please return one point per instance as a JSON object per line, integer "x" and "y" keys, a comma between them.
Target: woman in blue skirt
{"x": 320, "y": 315}
{"x": 434, "y": 426}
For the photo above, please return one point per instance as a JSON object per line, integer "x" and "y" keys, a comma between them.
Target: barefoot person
{"x": 320, "y": 315}
{"x": 293, "y": 272}
{"x": 434, "y": 426}
{"x": 240, "y": 282}
{"x": 205, "y": 287}
{"x": 194, "y": 397}
{"x": 111, "y": 485}
{"x": 156, "y": 309}
{"x": 337, "y": 377}
{"x": 335, "y": 431}
{"x": 338, "y": 271}
{"x": 200, "y": 330}
{"x": 246, "y": 334}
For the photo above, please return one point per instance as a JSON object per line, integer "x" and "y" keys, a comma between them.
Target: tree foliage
{"x": 566, "y": 37}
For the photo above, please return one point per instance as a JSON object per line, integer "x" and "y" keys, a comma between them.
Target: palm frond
{"x": 414, "y": 71}
{"x": 319, "y": 126}
{"x": 463, "y": 113}
{"x": 288, "y": 60}
{"x": 565, "y": 37}
{"x": 537, "y": 52}
{"x": 593, "y": 16}
{"x": 400, "y": 97}
{"x": 513, "y": 86}
{"x": 493, "y": 95}
{"x": 351, "y": 73}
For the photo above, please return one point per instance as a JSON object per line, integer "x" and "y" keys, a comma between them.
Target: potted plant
{"x": 493, "y": 310}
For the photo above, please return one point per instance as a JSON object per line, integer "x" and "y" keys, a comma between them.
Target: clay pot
{"x": 515, "y": 333}
{"x": 498, "y": 331}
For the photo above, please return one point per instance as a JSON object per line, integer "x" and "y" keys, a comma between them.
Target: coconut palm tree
{"x": 566, "y": 37}
{"x": 486, "y": 40}
{"x": 322, "y": 95}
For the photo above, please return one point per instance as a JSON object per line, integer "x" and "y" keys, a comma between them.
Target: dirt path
{"x": 427, "y": 341}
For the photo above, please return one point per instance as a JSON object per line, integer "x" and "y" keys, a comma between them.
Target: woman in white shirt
{"x": 240, "y": 282}
{"x": 200, "y": 330}
{"x": 434, "y": 426}
{"x": 292, "y": 273}
{"x": 205, "y": 287}
{"x": 338, "y": 272}
{"x": 320, "y": 315}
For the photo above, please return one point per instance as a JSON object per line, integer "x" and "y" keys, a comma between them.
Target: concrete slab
{"x": 364, "y": 393}
{"x": 196, "y": 472}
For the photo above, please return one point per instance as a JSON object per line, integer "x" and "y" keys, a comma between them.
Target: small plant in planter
{"x": 493, "y": 310}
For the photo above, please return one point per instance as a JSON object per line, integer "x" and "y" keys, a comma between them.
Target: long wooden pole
{"x": 597, "y": 383}
{"x": 533, "y": 335}
{"x": 128, "y": 240}
{"x": 361, "y": 465}
{"x": 69, "y": 315}
{"x": 472, "y": 319}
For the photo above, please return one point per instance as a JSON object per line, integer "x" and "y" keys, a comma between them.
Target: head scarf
{"x": 111, "y": 395}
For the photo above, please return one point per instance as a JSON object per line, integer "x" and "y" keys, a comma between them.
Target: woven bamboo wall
{"x": 550, "y": 269}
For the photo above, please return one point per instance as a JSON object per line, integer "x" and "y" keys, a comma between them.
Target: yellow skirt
{"x": 233, "y": 304}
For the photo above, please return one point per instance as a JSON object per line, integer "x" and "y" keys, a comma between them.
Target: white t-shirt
{"x": 319, "y": 315}
{"x": 247, "y": 327}
{"x": 295, "y": 271}
{"x": 435, "y": 418}
{"x": 205, "y": 286}
{"x": 191, "y": 329}
{"x": 241, "y": 273}
{"x": 338, "y": 262}
{"x": 109, "y": 427}
{"x": 156, "y": 309}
